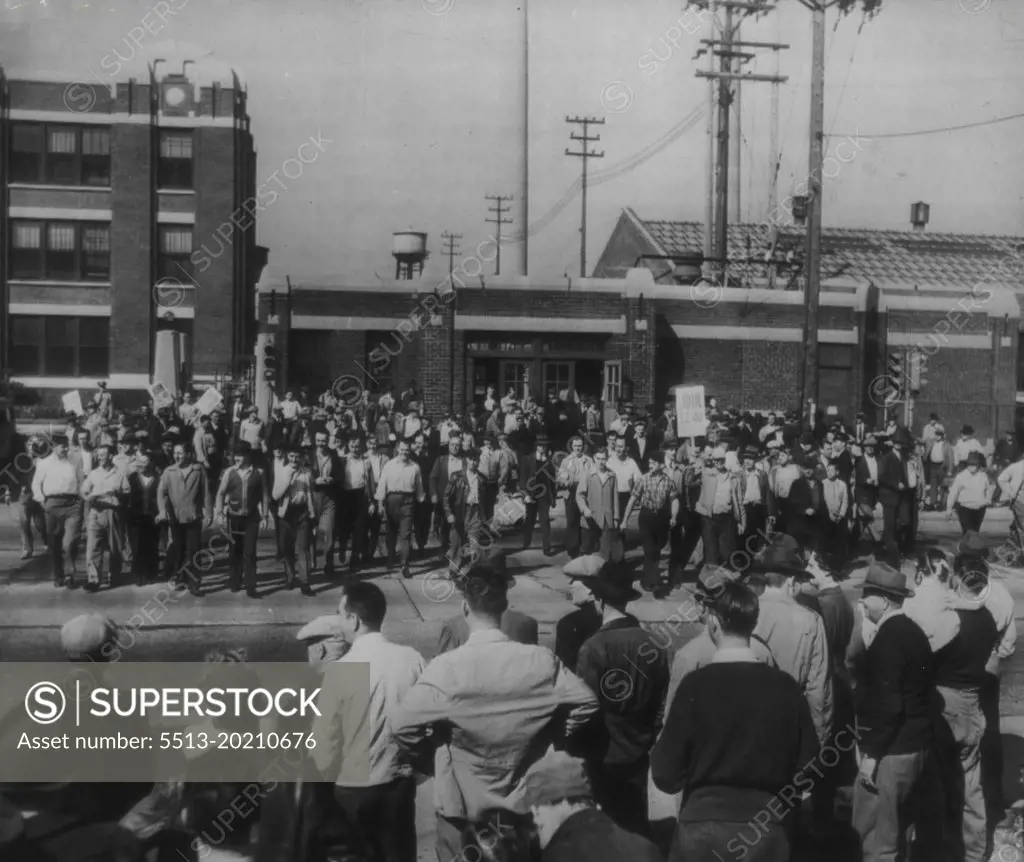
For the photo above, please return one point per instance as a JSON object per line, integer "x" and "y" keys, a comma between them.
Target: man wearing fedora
{"x": 755, "y": 495}
{"x": 795, "y": 635}
{"x": 963, "y": 447}
{"x": 971, "y": 494}
{"x": 537, "y": 483}
{"x": 576, "y": 627}
{"x": 732, "y": 762}
{"x": 894, "y": 718}
{"x": 630, "y": 674}
{"x": 865, "y": 492}
{"x": 893, "y": 490}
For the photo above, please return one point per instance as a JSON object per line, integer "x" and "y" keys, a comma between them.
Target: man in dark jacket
{"x": 444, "y": 468}
{"x": 894, "y": 715}
{"x": 537, "y": 483}
{"x": 578, "y": 626}
{"x": 892, "y": 485}
{"x": 569, "y": 825}
{"x": 630, "y": 674}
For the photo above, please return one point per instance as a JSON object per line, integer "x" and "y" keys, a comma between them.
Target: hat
{"x": 711, "y": 581}
{"x": 807, "y": 437}
{"x": 60, "y": 439}
{"x": 976, "y": 458}
{"x": 781, "y": 557}
{"x": 973, "y": 544}
{"x": 749, "y": 452}
{"x": 883, "y": 578}
{"x": 554, "y": 778}
{"x": 542, "y": 440}
{"x": 774, "y": 444}
{"x": 327, "y": 626}
{"x": 903, "y": 437}
{"x": 613, "y": 583}
{"x": 243, "y": 447}
{"x": 640, "y": 420}
{"x": 490, "y": 438}
{"x": 967, "y": 429}
{"x": 871, "y": 440}
{"x": 86, "y": 634}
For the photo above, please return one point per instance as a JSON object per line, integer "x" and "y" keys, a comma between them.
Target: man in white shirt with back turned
{"x": 375, "y": 786}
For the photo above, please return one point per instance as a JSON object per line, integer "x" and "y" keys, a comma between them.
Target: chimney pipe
{"x": 919, "y": 213}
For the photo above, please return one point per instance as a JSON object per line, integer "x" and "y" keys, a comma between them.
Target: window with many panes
{"x": 174, "y": 170}
{"x": 57, "y": 346}
{"x": 59, "y": 251}
{"x": 175, "y": 251}
{"x": 59, "y": 154}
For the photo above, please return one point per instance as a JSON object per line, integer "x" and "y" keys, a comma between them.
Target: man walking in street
{"x": 573, "y": 468}
{"x": 56, "y": 486}
{"x": 598, "y": 500}
{"x": 293, "y": 501}
{"x": 444, "y": 468}
{"x": 496, "y": 702}
{"x": 971, "y": 494}
{"x": 357, "y": 499}
{"x": 400, "y": 488}
{"x": 463, "y": 510}
{"x": 105, "y": 491}
{"x": 657, "y": 498}
{"x": 243, "y": 500}
{"x": 326, "y": 476}
{"x": 181, "y": 498}
{"x": 721, "y": 511}
{"x": 537, "y": 482}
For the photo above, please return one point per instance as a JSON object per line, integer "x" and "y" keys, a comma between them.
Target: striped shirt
{"x": 655, "y": 492}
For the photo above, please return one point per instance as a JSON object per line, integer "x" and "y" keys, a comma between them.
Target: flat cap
{"x": 87, "y": 634}
{"x": 557, "y": 776}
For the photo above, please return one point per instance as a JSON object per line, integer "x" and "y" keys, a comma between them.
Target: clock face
{"x": 174, "y": 96}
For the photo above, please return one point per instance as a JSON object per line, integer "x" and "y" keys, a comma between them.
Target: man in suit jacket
{"x": 721, "y": 509}
{"x": 598, "y": 500}
{"x": 806, "y": 500}
{"x": 537, "y": 482}
{"x": 444, "y": 468}
{"x": 642, "y": 445}
{"x": 464, "y": 509}
{"x": 866, "y": 474}
{"x": 892, "y": 487}
{"x": 325, "y": 482}
{"x": 938, "y": 464}
{"x": 357, "y": 493}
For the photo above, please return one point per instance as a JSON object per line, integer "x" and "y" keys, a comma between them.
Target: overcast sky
{"x": 419, "y": 100}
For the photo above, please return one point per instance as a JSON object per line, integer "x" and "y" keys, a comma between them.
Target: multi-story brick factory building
{"x": 649, "y": 324}
{"x": 109, "y": 193}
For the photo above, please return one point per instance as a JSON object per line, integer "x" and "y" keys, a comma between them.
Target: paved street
{"x": 165, "y": 626}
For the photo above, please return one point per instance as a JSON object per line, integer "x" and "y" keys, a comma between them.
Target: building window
{"x": 175, "y": 251}
{"x": 175, "y": 168}
{"x": 59, "y": 251}
{"x": 557, "y": 376}
{"x": 61, "y": 154}
{"x": 57, "y": 346}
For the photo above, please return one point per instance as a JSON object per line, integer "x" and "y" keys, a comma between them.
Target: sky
{"x": 418, "y": 106}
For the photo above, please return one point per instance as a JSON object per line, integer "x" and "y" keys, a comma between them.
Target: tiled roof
{"x": 879, "y": 255}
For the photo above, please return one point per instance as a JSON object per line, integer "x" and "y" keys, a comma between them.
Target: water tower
{"x": 409, "y": 248}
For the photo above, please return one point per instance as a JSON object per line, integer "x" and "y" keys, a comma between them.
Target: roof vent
{"x": 919, "y": 213}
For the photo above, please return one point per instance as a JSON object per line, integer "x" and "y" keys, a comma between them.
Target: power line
{"x": 499, "y": 210}
{"x": 920, "y": 132}
{"x": 451, "y": 249}
{"x": 586, "y": 154}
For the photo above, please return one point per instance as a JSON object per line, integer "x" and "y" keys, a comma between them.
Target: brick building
{"x": 649, "y": 324}
{"x": 118, "y": 261}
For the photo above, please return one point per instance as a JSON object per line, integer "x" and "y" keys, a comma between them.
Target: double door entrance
{"x": 593, "y": 378}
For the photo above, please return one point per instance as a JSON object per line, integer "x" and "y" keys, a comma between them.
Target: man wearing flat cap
{"x": 894, "y": 716}
{"x": 570, "y": 826}
{"x": 537, "y": 483}
{"x": 971, "y": 494}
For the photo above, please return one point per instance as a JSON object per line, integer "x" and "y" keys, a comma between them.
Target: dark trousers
{"x": 63, "y": 517}
{"x": 373, "y": 524}
{"x": 623, "y": 502}
{"x": 719, "y": 534}
{"x": 935, "y": 477}
{"x": 835, "y": 539}
{"x": 182, "y": 549}
{"x": 714, "y": 839}
{"x": 423, "y": 514}
{"x": 622, "y": 794}
{"x": 354, "y": 513}
{"x": 992, "y": 748}
{"x": 573, "y": 527}
{"x": 684, "y": 539}
{"x": 144, "y": 534}
{"x": 469, "y": 540}
{"x": 538, "y": 512}
{"x": 654, "y": 530}
{"x": 380, "y": 820}
{"x": 399, "y": 511}
{"x": 889, "y": 516}
{"x": 245, "y": 532}
{"x": 31, "y": 515}
{"x": 444, "y": 529}
{"x": 598, "y": 540}
{"x": 753, "y": 539}
{"x": 327, "y": 528}
{"x": 490, "y": 499}
{"x": 970, "y": 519}
{"x": 278, "y": 546}
{"x": 803, "y": 528}
{"x": 884, "y": 816}
{"x": 295, "y": 536}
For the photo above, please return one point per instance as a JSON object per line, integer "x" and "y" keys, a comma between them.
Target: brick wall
{"x": 215, "y": 202}
{"x": 131, "y": 249}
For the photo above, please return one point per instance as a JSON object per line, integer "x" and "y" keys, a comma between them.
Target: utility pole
{"x": 726, "y": 47}
{"x": 812, "y": 296}
{"x": 586, "y": 154}
{"x": 737, "y": 137}
{"x": 709, "y": 204}
{"x": 500, "y": 209}
{"x": 451, "y": 242}
{"x": 773, "y": 184}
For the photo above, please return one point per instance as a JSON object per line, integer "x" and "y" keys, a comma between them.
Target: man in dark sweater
{"x": 629, "y": 672}
{"x": 569, "y": 825}
{"x": 959, "y": 678}
{"x": 576, "y": 627}
{"x": 893, "y": 716}
{"x": 736, "y": 766}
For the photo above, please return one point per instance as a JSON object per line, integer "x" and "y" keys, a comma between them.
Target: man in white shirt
{"x": 188, "y": 411}
{"x": 56, "y": 486}
{"x": 375, "y": 786}
{"x": 105, "y": 491}
{"x": 290, "y": 407}
{"x": 928, "y": 433}
{"x": 964, "y": 446}
{"x": 627, "y": 473}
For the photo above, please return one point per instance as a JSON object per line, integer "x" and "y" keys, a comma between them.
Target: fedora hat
{"x": 750, "y": 452}
{"x": 613, "y": 583}
{"x": 976, "y": 458}
{"x": 781, "y": 557}
{"x": 883, "y": 578}
{"x": 711, "y": 581}
{"x": 903, "y": 437}
{"x": 870, "y": 440}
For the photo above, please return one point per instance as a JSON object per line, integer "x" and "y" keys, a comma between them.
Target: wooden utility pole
{"x": 726, "y": 48}
{"x": 736, "y": 59}
{"x": 500, "y": 210}
{"x": 451, "y": 242}
{"x": 586, "y": 154}
{"x": 812, "y": 295}
{"x": 709, "y": 206}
